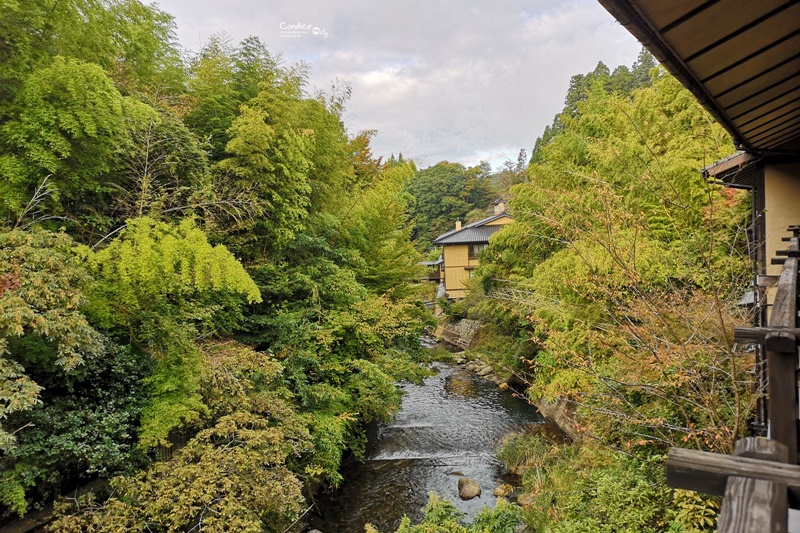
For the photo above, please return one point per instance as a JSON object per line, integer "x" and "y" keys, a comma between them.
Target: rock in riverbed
{"x": 525, "y": 499}
{"x": 468, "y": 488}
{"x": 501, "y": 491}
{"x": 485, "y": 371}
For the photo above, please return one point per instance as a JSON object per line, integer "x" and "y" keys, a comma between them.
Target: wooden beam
{"x": 709, "y": 472}
{"x": 755, "y": 505}
{"x": 759, "y": 335}
{"x": 765, "y": 281}
{"x": 784, "y": 342}
{"x": 784, "y": 309}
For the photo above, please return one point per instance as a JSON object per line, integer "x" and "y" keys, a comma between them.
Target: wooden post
{"x": 756, "y": 505}
{"x": 781, "y": 348}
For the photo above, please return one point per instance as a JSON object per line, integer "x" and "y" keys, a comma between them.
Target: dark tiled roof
{"x": 475, "y": 233}
{"x": 432, "y": 263}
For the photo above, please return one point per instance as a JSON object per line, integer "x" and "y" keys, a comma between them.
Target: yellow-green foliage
{"x": 344, "y": 370}
{"x": 157, "y": 281}
{"x": 376, "y": 225}
{"x": 233, "y": 476}
{"x": 270, "y": 157}
{"x": 626, "y": 265}
{"x": 583, "y": 489}
{"x": 70, "y": 123}
{"x": 41, "y": 327}
{"x": 441, "y": 516}
{"x": 152, "y": 260}
{"x": 623, "y": 267}
{"x": 693, "y": 512}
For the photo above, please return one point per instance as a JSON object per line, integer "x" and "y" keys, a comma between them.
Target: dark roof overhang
{"x": 474, "y": 233}
{"x": 740, "y": 58}
{"x": 740, "y": 171}
{"x": 479, "y": 235}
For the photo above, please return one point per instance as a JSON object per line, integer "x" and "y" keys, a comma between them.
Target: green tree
{"x": 438, "y": 200}
{"x": 164, "y": 171}
{"x": 85, "y": 425}
{"x": 43, "y": 336}
{"x": 377, "y": 227}
{"x": 130, "y": 41}
{"x": 146, "y": 57}
{"x": 622, "y": 269}
{"x": 71, "y": 124}
{"x": 444, "y": 193}
{"x": 235, "y": 474}
{"x": 622, "y": 82}
{"x": 222, "y": 78}
{"x": 215, "y": 101}
{"x": 270, "y": 156}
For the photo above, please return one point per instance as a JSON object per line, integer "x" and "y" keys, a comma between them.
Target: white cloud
{"x": 461, "y": 80}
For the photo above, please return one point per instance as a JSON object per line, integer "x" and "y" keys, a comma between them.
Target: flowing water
{"x": 449, "y": 426}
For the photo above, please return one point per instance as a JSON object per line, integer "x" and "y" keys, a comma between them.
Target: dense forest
{"x": 208, "y": 286}
{"x": 195, "y": 254}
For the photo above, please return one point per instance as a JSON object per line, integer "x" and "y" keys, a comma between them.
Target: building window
{"x": 475, "y": 249}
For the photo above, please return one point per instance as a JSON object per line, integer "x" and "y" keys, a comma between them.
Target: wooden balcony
{"x": 761, "y": 481}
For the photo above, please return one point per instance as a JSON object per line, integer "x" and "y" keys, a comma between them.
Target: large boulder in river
{"x": 468, "y": 488}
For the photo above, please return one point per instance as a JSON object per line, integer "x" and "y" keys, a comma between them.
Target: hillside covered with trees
{"x": 198, "y": 263}
{"x": 613, "y": 298}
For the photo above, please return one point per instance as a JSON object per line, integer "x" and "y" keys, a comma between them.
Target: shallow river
{"x": 448, "y": 426}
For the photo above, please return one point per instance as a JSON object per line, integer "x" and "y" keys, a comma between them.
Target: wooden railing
{"x": 761, "y": 481}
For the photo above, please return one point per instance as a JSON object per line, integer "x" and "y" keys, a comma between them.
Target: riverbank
{"x": 448, "y": 428}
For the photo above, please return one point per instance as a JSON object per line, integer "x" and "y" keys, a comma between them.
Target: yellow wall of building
{"x": 782, "y": 206}
{"x": 500, "y": 221}
{"x": 782, "y": 209}
{"x": 456, "y": 258}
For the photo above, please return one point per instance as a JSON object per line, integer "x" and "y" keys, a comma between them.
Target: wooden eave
{"x": 740, "y": 170}
{"x": 740, "y": 58}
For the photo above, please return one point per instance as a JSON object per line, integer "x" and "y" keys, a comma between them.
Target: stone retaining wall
{"x": 460, "y": 333}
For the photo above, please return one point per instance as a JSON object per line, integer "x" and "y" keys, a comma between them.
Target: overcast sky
{"x": 456, "y": 80}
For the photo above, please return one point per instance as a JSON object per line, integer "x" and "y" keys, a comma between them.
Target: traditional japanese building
{"x": 461, "y": 246}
